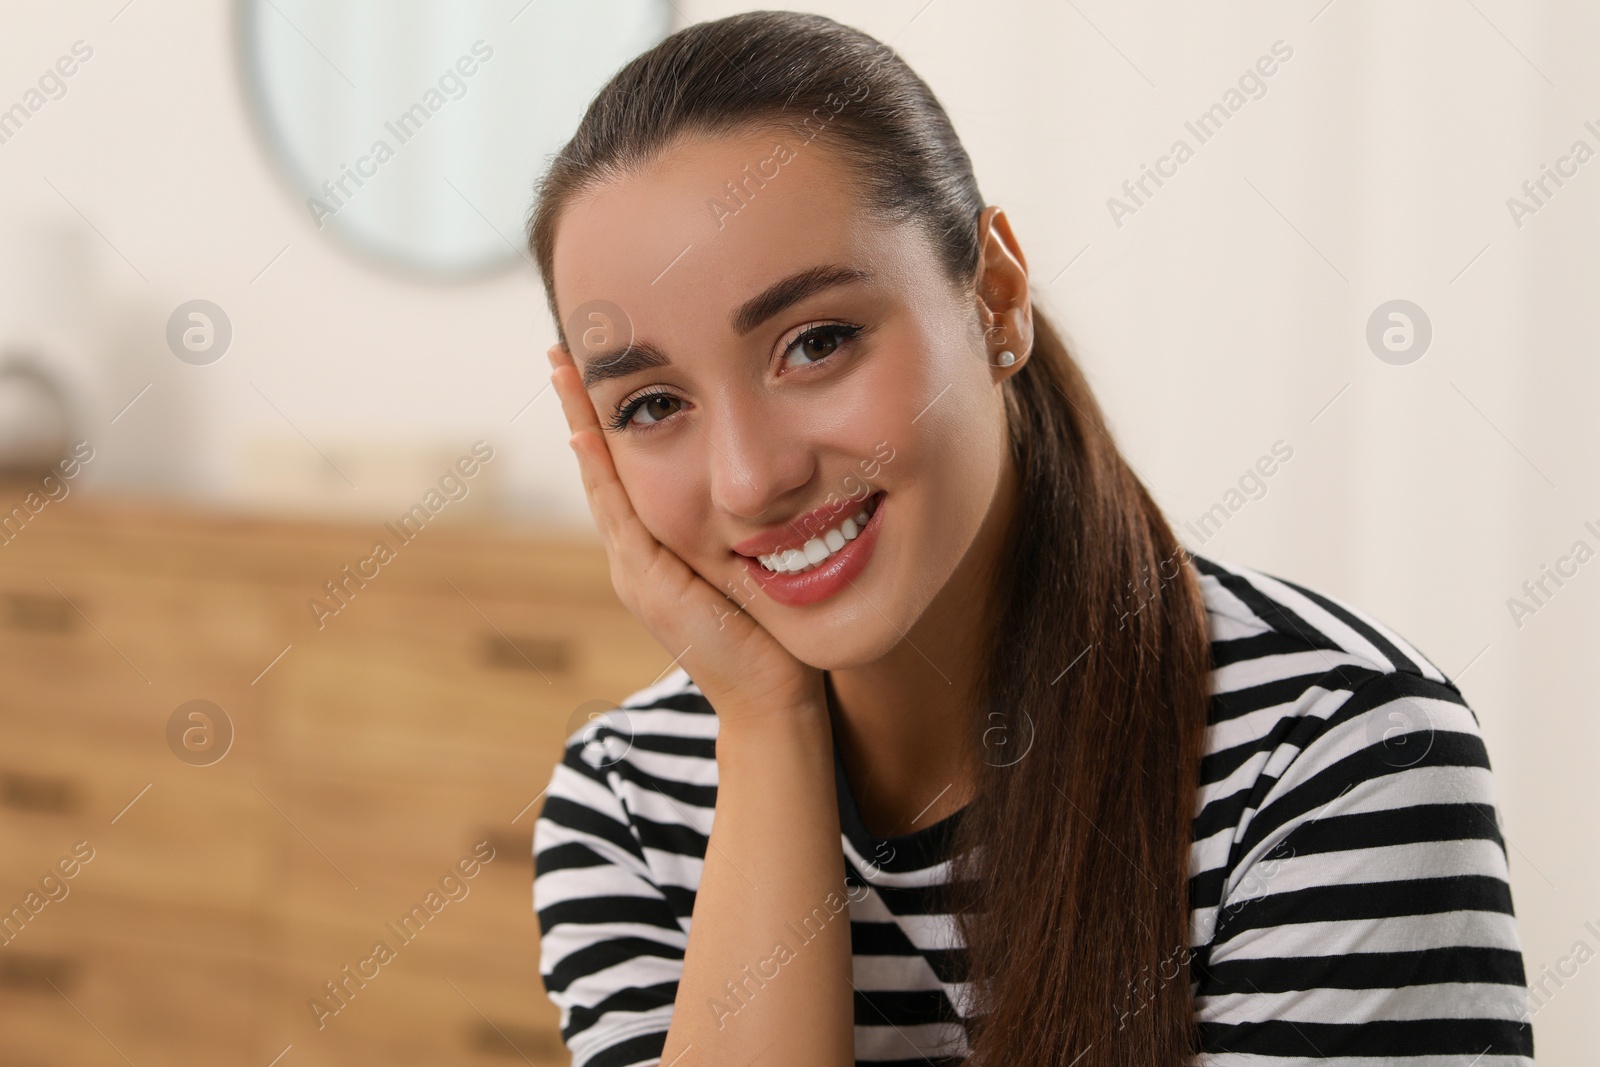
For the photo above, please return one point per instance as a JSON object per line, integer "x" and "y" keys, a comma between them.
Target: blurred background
{"x": 264, "y": 308}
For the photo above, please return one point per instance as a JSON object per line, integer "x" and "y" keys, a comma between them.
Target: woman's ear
{"x": 1004, "y": 308}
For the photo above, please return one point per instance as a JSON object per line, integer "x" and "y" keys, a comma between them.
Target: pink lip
{"x": 798, "y": 530}
{"x": 819, "y": 583}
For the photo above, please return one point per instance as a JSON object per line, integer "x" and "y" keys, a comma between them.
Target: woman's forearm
{"x": 766, "y": 976}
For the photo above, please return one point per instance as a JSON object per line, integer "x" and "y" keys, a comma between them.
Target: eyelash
{"x": 622, "y": 419}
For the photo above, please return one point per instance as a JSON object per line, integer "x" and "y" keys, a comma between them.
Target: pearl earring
{"x": 1007, "y": 358}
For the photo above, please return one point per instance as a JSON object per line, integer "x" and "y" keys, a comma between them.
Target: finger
{"x": 632, "y": 543}
{"x": 636, "y": 547}
{"x": 558, "y": 355}
{"x": 578, "y": 414}
{"x": 594, "y": 463}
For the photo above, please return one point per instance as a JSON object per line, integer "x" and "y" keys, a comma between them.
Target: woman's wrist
{"x": 783, "y": 723}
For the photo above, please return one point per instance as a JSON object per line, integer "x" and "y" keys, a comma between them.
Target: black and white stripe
{"x": 1349, "y": 891}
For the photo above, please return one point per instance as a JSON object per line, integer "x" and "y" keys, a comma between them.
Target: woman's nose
{"x": 756, "y": 460}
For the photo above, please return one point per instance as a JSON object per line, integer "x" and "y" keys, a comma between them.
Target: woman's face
{"x": 754, "y": 414}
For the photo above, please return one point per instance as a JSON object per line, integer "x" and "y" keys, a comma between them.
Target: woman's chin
{"x": 851, "y": 644}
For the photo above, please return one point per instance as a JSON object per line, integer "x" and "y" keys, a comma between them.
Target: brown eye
{"x": 658, "y": 406}
{"x": 819, "y": 345}
{"x": 820, "y": 342}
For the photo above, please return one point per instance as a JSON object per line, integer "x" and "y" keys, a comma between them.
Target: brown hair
{"x": 1075, "y": 909}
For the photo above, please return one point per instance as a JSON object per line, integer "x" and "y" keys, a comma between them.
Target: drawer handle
{"x": 548, "y": 654}
{"x": 41, "y": 614}
{"x": 32, "y": 973}
{"x": 518, "y": 847}
{"x": 38, "y": 794}
{"x": 513, "y": 1039}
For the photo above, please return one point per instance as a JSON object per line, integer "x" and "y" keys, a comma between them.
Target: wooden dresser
{"x": 374, "y": 759}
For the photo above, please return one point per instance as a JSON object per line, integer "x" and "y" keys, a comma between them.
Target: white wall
{"x": 1221, "y": 317}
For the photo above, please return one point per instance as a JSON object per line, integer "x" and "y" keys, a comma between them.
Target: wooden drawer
{"x": 88, "y": 919}
{"x": 420, "y": 685}
{"x": 184, "y": 985}
{"x": 42, "y": 714}
{"x": 104, "y": 632}
{"x": 182, "y": 834}
{"x": 67, "y": 996}
{"x": 522, "y": 640}
{"x": 426, "y": 1006}
{"x": 383, "y": 845}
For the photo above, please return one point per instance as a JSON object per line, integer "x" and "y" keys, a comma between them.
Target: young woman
{"x": 1000, "y": 774}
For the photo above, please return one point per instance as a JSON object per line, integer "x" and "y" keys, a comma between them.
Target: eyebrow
{"x": 637, "y": 356}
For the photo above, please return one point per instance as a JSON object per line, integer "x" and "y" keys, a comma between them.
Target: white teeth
{"x": 817, "y": 549}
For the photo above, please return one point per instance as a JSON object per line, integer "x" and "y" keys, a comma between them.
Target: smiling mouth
{"x": 824, "y": 546}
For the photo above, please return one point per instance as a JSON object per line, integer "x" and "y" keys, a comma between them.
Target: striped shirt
{"x": 1349, "y": 886}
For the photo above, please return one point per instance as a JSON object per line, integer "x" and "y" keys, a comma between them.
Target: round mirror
{"x": 413, "y": 130}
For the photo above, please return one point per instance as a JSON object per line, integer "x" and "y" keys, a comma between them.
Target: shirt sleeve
{"x": 610, "y": 946}
{"x": 1369, "y": 913}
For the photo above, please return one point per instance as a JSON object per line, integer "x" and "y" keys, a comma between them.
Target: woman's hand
{"x": 740, "y": 667}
